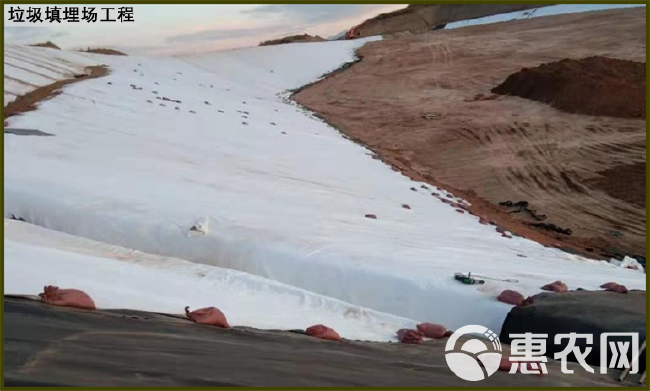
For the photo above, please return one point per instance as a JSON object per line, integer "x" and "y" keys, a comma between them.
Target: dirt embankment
{"x": 594, "y": 86}
{"x": 293, "y": 39}
{"x": 420, "y": 18}
{"x": 48, "y": 44}
{"x": 424, "y": 104}
{"x": 110, "y": 52}
{"x": 29, "y": 101}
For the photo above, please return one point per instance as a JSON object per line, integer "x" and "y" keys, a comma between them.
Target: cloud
{"x": 223, "y": 34}
{"x": 186, "y": 29}
{"x": 281, "y": 20}
{"x": 312, "y": 13}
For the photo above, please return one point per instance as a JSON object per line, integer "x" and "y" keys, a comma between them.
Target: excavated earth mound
{"x": 48, "y": 44}
{"x": 594, "y": 86}
{"x": 110, "y": 52}
{"x": 293, "y": 39}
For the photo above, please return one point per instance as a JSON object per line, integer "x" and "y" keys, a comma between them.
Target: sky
{"x": 183, "y": 29}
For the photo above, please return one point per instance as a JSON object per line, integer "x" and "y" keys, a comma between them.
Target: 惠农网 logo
{"x": 477, "y": 358}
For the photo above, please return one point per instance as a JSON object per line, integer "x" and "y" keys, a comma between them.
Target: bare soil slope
{"x": 419, "y": 18}
{"x": 424, "y": 104}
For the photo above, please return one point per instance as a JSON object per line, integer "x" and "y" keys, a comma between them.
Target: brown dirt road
{"x": 585, "y": 173}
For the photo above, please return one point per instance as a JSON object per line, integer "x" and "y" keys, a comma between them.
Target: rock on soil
{"x": 591, "y": 312}
{"x": 594, "y": 86}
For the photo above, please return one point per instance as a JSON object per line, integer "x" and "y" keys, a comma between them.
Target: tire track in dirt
{"x": 490, "y": 149}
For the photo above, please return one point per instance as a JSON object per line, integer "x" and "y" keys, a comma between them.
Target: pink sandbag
{"x": 511, "y": 297}
{"x": 208, "y": 315}
{"x": 557, "y": 286}
{"x": 614, "y": 287}
{"x": 410, "y": 336}
{"x": 432, "y": 330}
{"x": 323, "y": 332}
{"x": 66, "y": 297}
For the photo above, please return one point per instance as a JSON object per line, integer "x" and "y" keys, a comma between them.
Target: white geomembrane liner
{"x": 27, "y": 68}
{"x": 116, "y": 277}
{"x": 235, "y": 177}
